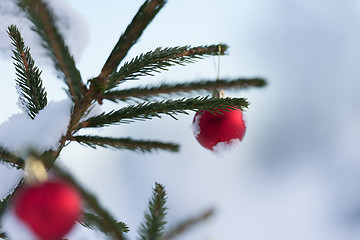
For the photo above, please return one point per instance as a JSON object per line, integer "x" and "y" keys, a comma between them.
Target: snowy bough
{"x": 32, "y": 141}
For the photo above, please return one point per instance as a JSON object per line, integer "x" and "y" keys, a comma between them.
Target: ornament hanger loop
{"x": 218, "y": 70}
{"x": 35, "y": 170}
{"x": 218, "y": 93}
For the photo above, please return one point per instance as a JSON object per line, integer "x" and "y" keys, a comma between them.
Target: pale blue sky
{"x": 296, "y": 173}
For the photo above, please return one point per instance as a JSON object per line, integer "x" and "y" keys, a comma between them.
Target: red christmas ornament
{"x": 224, "y": 127}
{"x": 50, "y": 209}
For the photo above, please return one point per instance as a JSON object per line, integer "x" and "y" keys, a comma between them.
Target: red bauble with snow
{"x": 49, "y": 209}
{"x": 219, "y": 129}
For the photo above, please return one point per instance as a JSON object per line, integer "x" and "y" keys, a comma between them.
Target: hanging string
{"x": 218, "y": 70}
{"x": 217, "y": 66}
{"x": 218, "y": 93}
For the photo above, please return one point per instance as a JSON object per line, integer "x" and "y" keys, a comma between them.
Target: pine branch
{"x": 3, "y": 236}
{"x": 170, "y": 107}
{"x": 125, "y": 143}
{"x": 44, "y": 24}
{"x": 161, "y": 59}
{"x": 92, "y": 221}
{"x": 11, "y": 159}
{"x": 132, "y": 33}
{"x": 109, "y": 223}
{"x": 154, "y": 225}
{"x": 187, "y": 224}
{"x": 149, "y": 91}
{"x": 32, "y": 93}
{"x": 4, "y": 204}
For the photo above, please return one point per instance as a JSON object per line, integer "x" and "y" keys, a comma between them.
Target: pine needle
{"x": 161, "y": 59}
{"x": 3, "y": 204}
{"x": 125, "y": 143}
{"x": 109, "y": 223}
{"x": 154, "y": 225}
{"x": 141, "y": 20}
{"x": 188, "y": 224}
{"x": 92, "y": 221}
{"x": 205, "y": 85}
{"x": 11, "y": 159}
{"x": 32, "y": 93}
{"x": 44, "y": 25}
{"x": 2, "y": 235}
{"x": 147, "y": 110}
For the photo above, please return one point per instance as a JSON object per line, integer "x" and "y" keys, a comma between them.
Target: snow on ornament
{"x": 219, "y": 130}
{"x": 49, "y": 210}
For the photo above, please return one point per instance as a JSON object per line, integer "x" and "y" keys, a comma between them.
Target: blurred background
{"x": 296, "y": 174}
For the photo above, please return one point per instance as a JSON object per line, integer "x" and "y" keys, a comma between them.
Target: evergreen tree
{"x": 85, "y": 94}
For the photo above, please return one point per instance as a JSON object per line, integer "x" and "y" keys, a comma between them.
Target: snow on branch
{"x": 20, "y": 134}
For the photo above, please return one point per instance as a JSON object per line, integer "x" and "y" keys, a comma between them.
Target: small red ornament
{"x": 50, "y": 209}
{"x": 211, "y": 129}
